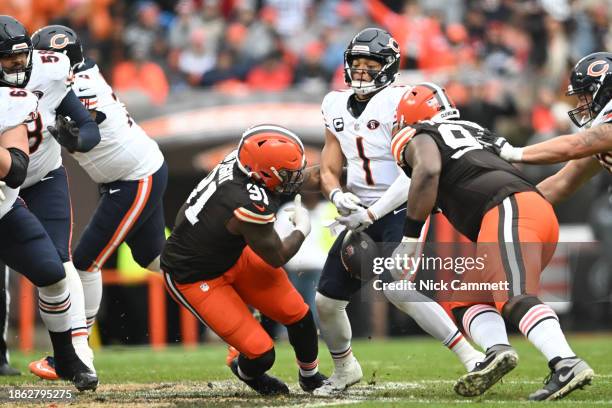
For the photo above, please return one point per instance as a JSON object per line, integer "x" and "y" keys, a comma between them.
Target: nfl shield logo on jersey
{"x": 204, "y": 287}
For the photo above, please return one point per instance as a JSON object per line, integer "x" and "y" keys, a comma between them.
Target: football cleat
{"x": 7, "y": 370}
{"x": 566, "y": 376}
{"x": 342, "y": 378}
{"x": 264, "y": 384}
{"x": 499, "y": 361}
{"x": 44, "y": 368}
{"x": 309, "y": 384}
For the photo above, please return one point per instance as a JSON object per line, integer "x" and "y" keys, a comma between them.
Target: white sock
{"x": 467, "y": 354}
{"x": 541, "y": 327}
{"x": 335, "y": 328}
{"x": 77, "y": 311}
{"x": 54, "y": 306}
{"x": 92, "y": 288}
{"x": 308, "y": 369}
{"x": 485, "y": 326}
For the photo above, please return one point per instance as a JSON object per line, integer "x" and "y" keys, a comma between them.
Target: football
{"x": 357, "y": 254}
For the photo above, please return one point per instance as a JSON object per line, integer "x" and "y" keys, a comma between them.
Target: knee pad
{"x": 254, "y": 367}
{"x": 518, "y": 306}
{"x": 326, "y": 305}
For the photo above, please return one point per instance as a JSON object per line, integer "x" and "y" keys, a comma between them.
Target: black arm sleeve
{"x": 89, "y": 134}
{"x": 19, "y": 168}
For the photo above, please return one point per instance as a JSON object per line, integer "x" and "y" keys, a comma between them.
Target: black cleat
{"x": 71, "y": 368}
{"x": 7, "y": 370}
{"x": 499, "y": 361}
{"x": 264, "y": 384}
{"x": 309, "y": 384}
{"x": 566, "y": 376}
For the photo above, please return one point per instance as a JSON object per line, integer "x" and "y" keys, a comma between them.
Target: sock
{"x": 77, "y": 311}
{"x": 464, "y": 351}
{"x": 485, "y": 326}
{"x": 92, "y": 289}
{"x": 335, "y": 328}
{"x": 541, "y": 327}
{"x": 54, "y": 305}
{"x": 305, "y": 342}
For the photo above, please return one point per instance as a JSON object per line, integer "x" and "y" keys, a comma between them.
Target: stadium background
{"x": 196, "y": 73}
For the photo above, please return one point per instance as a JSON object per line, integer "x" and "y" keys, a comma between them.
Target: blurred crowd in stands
{"x": 498, "y": 58}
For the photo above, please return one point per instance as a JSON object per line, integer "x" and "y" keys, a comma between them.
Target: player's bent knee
{"x": 255, "y": 344}
{"x": 256, "y": 366}
{"x": 327, "y": 306}
{"x": 292, "y": 309}
{"x": 458, "y": 313}
{"x": 55, "y": 289}
{"x": 51, "y": 274}
{"x": 518, "y": 306}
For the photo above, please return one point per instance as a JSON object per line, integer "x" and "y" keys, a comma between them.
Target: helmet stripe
{"x": 440, "y": 94}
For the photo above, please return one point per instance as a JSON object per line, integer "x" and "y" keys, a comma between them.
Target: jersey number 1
{"x": 366, "y": 161}
{"x": 205, "y": 189}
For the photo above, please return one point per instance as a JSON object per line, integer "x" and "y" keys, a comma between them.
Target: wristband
{"x": 332, "y": 193}
{"x": 412, "y": 228}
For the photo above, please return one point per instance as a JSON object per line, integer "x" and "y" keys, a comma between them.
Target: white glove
{"x": 501, "y": 147}
{"x": 403, "y": 258}
{"x": 357, "y": 220}
{"x": 345, "y": 202}
{"x": 299, "y": 216}
{"x": 2, "y": 196}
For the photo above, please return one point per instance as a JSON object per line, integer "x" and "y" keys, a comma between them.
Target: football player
{"x": 587, "y": 151}
{"x": 130, "y": 207}
{"x": 494, "y": 205}
{"x": 224, "y": 256}
{"x": 24, "y": 244}
{"x": 358, "y": 125}
{"x": 62, "y": 121}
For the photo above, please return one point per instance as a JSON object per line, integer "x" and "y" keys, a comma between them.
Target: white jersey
{"x": 17, "y": 106}
{"x": 50, "y": 81}
{"x": 365, "y": 141}
{"x": 125, "y": 152}
{"x": 605, "y": 116}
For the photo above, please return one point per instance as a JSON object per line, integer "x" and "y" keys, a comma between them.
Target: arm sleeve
{"x": 396, "y": 194}
{"x": 89, "y": 134}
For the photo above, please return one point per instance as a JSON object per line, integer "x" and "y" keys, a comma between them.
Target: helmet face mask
{"x": 14, "y": 40}
{"x": 591, "y": 82}
{"x": 274, "y": 156}
{"x": 376, "y": 45}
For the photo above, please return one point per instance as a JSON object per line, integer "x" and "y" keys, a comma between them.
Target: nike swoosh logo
{"x": 111, "y": 191}
{"x": 83, "y": 89}
{"x": 565, "y": 377}
{"x": 46, "y": 178}
{"x": 260, "y": 207}
{"x": 399, "y": 211}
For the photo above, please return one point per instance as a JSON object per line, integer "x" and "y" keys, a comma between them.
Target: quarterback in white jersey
{"x": 128, "y": 166}
{"x": 358, "y": 129}
{"x": 587, "y": 151}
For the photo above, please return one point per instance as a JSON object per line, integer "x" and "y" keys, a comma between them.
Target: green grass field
{"x": 397, "y": 373}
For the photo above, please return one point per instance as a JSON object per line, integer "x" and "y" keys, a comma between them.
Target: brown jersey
{"x": 200, "y": 246}
{"x": 472, "y": 180}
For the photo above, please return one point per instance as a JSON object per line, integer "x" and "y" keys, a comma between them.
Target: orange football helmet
{"x": 273, "y": 155}
{"x": 425, "y": 101}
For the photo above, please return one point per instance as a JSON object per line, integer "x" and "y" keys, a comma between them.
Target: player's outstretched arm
{"x": 570, "y": 178}
{"x": 423, "y": 156}
{"x": 80, "y": 133}
{"x": 560, "y": 149}
{"x": 14, "y": 158}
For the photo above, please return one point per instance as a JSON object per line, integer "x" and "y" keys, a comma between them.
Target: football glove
{"x": 66, "y": 132}
{"x": 299, "y": 216}
{"x": 357, "y": 220}
{"x": 501, "y": 147}
{"x": 403, "y": 252}
{"x": 345, "y": 202}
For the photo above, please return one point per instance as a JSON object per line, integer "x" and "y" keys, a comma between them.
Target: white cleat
{"x": 343, "y": 377}
{"x": 474, "y": 359}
